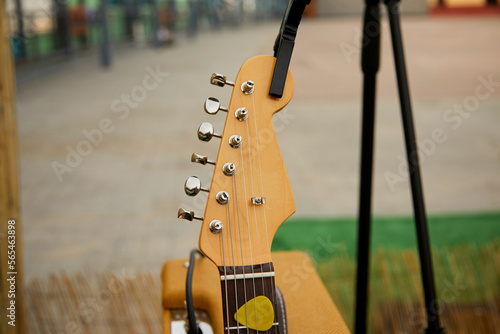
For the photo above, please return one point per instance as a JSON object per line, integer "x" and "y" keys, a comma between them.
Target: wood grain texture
{"x": 260, "y": 172}
{"x": 309, "y": 307}
{"x": 9, "y": 196}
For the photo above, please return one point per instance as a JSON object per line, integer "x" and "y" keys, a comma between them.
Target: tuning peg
{"x": 212, "y": 106}
{"x": 206, "y": 132}
{"x": 220, "y": 80}
{"x": 193, "y": 186}
{"x": 187, "y": 215}
{"x": 248, "y": 87}
{"x": 201, "y": 159}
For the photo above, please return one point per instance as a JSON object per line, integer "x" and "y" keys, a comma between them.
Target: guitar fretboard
{"x": 249, "y": 298}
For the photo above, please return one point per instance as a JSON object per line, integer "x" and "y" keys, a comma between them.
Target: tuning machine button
{"x": 187, "y": 215}
{"x": 212, "y": 106}
{"x": 201, "y": 159}
{"x": 193, "y": 186}
{"x": 206, "y": 132}
{"x": 220, "y": 80}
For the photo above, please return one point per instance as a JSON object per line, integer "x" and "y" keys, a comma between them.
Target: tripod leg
{"x": 431, "y": 302}
{"x": 370, "y": 61}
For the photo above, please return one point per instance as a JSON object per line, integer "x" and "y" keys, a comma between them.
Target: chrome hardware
{"x": 235, "y": 141}
{"x": 247, "y": 87}
{"x": 258, "y": 200}
{"x": 201, "y": 159}
{"x": 220, "y": 80}
{"x": 215, "y": 226}
{"x": 187, "y": 215}
{"x": 193, "y": 186}
{"x": 212, "y": 106}
{"x": 241, "y": 114}
{"x": 206, "y": 132}
{"x": 229, "y": 169}
{"x": 222, "y": 197}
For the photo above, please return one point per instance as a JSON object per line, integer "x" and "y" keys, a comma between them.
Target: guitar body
{"x": 242, "y": 287}
{"x": 309, "y": 307}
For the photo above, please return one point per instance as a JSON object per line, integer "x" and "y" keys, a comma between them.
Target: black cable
{"x": 192, "y": 324}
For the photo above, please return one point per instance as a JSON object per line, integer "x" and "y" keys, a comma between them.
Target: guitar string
{"x": 225, "y": 278}
{"x": 248, "y": 222}
{"x": 241, "y": 248}
{"x": 234, "y": 271}
{"x": 273, "y": 286}
{"x": 254, "y": 209}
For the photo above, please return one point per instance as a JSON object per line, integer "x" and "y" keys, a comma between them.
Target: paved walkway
{"x": 116, "y": 205}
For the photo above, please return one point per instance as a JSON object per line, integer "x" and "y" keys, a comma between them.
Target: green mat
{"x": 310, "y": 234}
{"x": 466, "y": 259}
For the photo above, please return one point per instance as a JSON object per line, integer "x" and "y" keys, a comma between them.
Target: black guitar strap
{"x": 283, "y": 46}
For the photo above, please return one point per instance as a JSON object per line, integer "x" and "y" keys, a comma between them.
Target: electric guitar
{"x": 249, "y": 198}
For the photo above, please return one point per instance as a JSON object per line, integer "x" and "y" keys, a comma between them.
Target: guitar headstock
{"x": 250, "y": 194}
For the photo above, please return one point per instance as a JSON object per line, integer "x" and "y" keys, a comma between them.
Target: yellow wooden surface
{"x": 9, "y": 196}
{"x": 308, "y": 305}
{"x": 260, "y": 172}
{"x": 458, "y": 3}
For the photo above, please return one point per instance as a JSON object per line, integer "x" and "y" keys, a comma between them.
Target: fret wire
{"x": 236, "y": 327}
{"x": 261, "y": 290}
{"x": 245, "y": 276}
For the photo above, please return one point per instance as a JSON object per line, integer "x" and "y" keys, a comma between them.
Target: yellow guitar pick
{"x": 260, "y": 314}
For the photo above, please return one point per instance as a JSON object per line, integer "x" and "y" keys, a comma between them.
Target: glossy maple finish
{"x": 260, "y": 172}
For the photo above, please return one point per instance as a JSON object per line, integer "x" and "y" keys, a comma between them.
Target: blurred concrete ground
{"x": 117, "y": 206}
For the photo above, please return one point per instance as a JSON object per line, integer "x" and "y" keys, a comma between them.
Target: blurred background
{"x": 50, "y": 28}
{"x": 107, "y": 97}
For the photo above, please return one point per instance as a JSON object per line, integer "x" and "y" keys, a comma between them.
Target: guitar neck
{"x": 249, "y": 299}
{"x": 249, "y": 198}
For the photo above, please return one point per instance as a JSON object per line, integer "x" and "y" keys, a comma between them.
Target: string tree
{"x": 258, "y": 200}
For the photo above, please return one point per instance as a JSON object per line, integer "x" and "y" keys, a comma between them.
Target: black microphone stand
{"x": 370, "y": 62}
